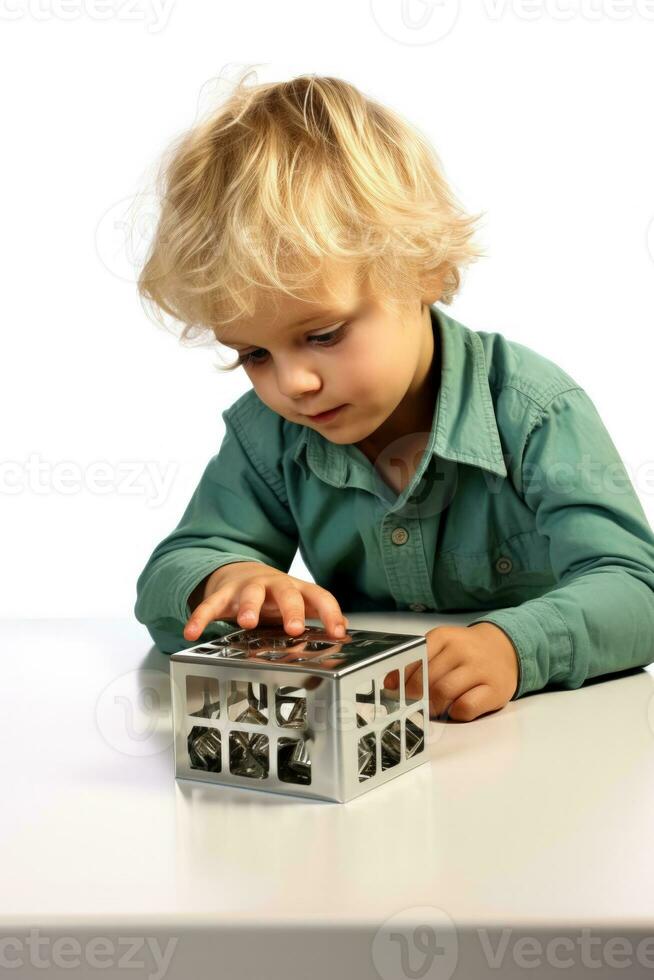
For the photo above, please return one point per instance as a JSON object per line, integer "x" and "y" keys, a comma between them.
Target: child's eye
{"x": 324, "y": 340}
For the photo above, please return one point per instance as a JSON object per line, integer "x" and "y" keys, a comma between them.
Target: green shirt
{"x": 520, "y": 508}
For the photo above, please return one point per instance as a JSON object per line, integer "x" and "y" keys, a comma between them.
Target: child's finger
{"x": 327, "y": 608}
{"x": 442, "y": 665}
{"x": 413, "y": 679}
{"x": 213, "y": 607}
{"x": 392, "y": 680}
{"x": 250, "y": 601}
{"x": 445, "y": 691}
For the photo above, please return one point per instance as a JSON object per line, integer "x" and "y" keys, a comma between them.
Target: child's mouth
{"x": 327, "y": 416}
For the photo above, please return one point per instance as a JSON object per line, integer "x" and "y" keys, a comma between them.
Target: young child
{"x": 416, "y": 463}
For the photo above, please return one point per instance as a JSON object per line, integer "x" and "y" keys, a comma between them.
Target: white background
{"x": 540, "y": 113}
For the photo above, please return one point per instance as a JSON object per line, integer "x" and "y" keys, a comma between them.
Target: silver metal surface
{"x": 303, "y": 716}
{"x": 265, "y": 646}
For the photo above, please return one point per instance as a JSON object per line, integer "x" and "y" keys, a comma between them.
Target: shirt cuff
{"x": 541, "y": 640}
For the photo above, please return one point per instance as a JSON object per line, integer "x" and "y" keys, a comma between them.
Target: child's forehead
{"x": 283, "y": 321}
{"x": 282, "y": 314}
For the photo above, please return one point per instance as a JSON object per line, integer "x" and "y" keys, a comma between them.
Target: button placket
{"x": 403, "y": 555}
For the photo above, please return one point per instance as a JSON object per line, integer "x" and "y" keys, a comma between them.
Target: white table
{"x": 530, "y": 824}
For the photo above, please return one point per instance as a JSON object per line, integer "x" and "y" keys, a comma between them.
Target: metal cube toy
{"x": 306, "y": 716}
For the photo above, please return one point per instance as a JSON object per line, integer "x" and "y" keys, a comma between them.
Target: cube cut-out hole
{"x": 291, "y": 707}
{"x": 413, "y": 682}
{"x": 365, "y": 703}
{"x": 266, "y": 642}
{"x": 248, "y": 754}
{"x": 202, "y": 696}
{"x": 228, "y": 652}
{"x": 390, "y": 696}
{"x": 204, "y": 748}
{"x": 415, "y": 734}
{"x": 294, "y": 761}
{"x": 216, "y": 648}
{"x": 247, "y": 702}
{"x": 367, "y": 752}
{"x": 391, "y": 744}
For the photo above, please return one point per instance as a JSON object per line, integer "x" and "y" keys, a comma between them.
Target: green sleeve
{"x": 237, "y": 512}
{"x": 600, "y": 616}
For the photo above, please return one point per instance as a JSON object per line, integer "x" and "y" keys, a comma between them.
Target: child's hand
{"x": 249, "y": 591}
{"x": 472, "y": 670}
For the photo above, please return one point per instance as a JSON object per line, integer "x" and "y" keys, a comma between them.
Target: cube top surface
{"x": 266, "y": 647}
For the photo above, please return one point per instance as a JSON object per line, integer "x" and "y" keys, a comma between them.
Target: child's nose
{"x": 295, "y": 380}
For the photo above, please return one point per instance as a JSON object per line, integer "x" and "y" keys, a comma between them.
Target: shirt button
{"x": 417, "y": 607}
{"x": 400, "y": 535}
{"x": 503, "y": 565}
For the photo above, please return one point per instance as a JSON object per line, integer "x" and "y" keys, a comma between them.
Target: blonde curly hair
{"x": 285, "y": 177}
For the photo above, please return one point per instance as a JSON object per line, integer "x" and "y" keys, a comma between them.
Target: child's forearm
{"x": 598, "y": 623}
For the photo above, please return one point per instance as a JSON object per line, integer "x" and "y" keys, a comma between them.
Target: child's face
{"x": 367, "y": 359}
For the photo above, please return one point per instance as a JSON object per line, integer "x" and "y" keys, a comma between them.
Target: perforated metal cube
{"x": 306, "y": 716}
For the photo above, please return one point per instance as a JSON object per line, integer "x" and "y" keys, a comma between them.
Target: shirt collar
{"x": 463, "y": 429}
